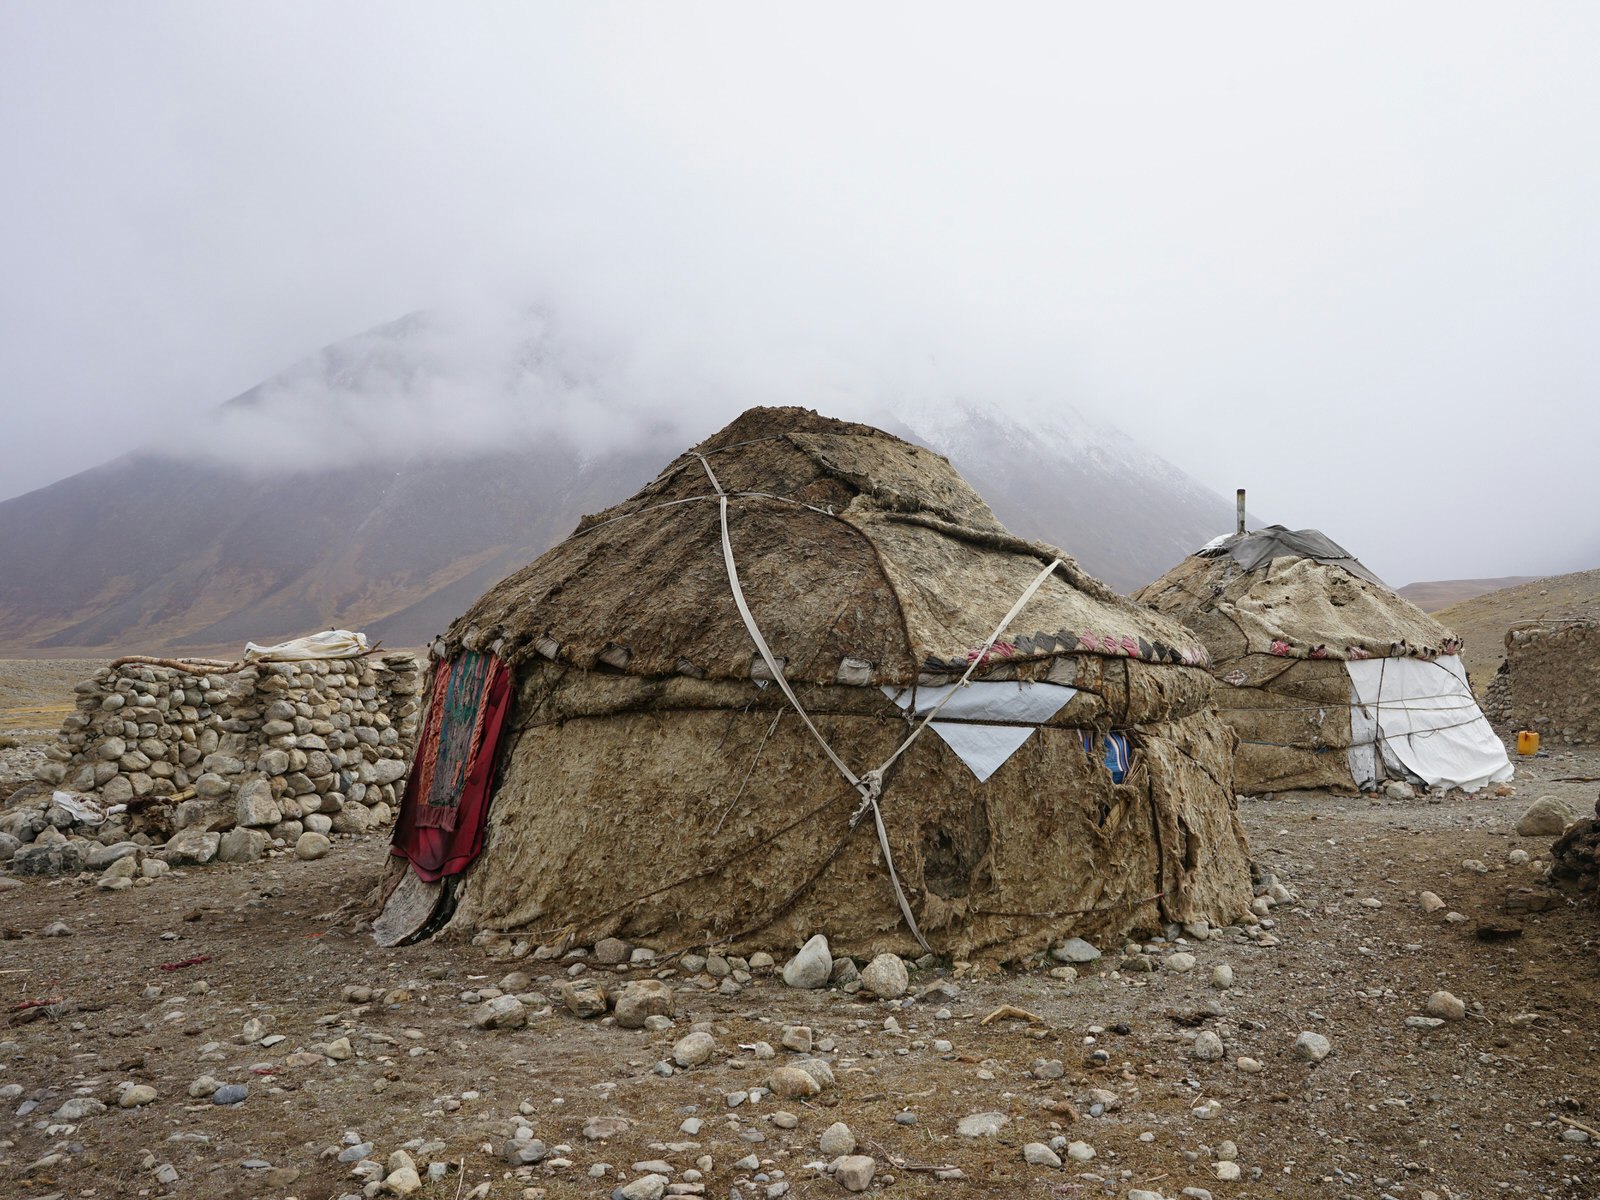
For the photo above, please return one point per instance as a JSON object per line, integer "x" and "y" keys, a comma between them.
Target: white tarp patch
{"x": 985, "y": 723}
{"x": 1422, "y": 716}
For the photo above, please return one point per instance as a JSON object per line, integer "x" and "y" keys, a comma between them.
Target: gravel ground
{"x": 1470, "y": 1109}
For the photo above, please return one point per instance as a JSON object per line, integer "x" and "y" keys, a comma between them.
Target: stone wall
{"x": 1549, "y": 683}
{"x": 279, "y": 748}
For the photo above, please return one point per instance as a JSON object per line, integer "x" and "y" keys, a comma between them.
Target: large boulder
{"x": 1546, "y": 817}
{"x": 48, "y": 858}
{"x": 192, "y": 847}
{"x": 886, "y": 976}
{"x": 812, "y": 966}
{"x": 242, "y": 845}
{"x": 640, "y": 999}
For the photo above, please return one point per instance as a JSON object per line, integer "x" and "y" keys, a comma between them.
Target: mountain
{"x": 388, "y": 480}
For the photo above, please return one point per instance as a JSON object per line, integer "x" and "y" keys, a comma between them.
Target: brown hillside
{"x": 1483, "y": 620}
{"x": 1435, "y": 595}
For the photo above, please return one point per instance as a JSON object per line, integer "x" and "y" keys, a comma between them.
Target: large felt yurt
{"x": 704, "y": 718}
{"x": 1330, "y": 679}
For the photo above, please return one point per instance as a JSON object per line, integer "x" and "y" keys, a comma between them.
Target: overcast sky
{"x": 1345, "y": 255}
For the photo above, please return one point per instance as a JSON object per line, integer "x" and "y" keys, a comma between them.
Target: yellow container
{"x": 1527, "y": 742}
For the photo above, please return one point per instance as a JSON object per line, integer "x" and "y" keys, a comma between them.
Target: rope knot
{"x": 870, "y": 785}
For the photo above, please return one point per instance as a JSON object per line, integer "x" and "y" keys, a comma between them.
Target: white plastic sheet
{"x": 985, "y": 723}
{"x": 1422, "y": 717}
{"x": 335, "y": 643}
{"x": 83, "y": 809}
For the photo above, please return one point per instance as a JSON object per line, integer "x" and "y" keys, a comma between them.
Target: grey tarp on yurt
{"x": 1329, "y": 679}
{"x": 658, "y": 783}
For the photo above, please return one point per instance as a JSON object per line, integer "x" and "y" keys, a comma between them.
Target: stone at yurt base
{"x": 275, "y": 747}
{"x": 648, "y": 716}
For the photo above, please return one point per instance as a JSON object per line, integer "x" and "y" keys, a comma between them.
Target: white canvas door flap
{"x": 985, "y": 723}
{"x": 1422, "y": 713}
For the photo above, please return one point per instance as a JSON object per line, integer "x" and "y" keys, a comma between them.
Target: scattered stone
{"x": 598, "y": 1129}
{"x": 78, "y": 1108}
{"x": 886, "y": 977}
{"x": 646, "y": 1187}
{"x": 610, "y": 952}
{"x": 811, "y": 967}
{"x": 56, "y": 929}
{"x": 1222, "y": 976}
{"x": 1445, "y": 1006}
{"x": 984, "y": 1124}
{"x": 1040, "y": 1155}
{"x": 1207, "y": 1047}
{"x": 584, "y": 998}
{"x": 693, "y": 1049}
{"x": 641, "y": 999}
{"x": 792, "y": 1083}
{"x": 1075, "y": 950}
{"x": 230, "y": 1093}
{"x": 1080, "y": 1151}
{"x": 136, "y": 1095}
{"x": 1312, "y": 1047}
{"x": 854, "y": 1172}
{"x": 403, "y": 1182}
{"x": 1430, "y": 902}
{"x": 797, "y": 1038}
{"x": 837, "y": 1140}
{"x": 1179, "y": 963}
{"x": 311, "y": 845}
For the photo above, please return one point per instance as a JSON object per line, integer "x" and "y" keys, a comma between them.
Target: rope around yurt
{"x": 869, "y": 784}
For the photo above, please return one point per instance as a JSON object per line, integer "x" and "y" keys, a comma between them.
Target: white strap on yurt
{"x": 869, "y": 784}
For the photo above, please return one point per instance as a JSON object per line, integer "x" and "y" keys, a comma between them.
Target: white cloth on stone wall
{"x": 335, "y": 643}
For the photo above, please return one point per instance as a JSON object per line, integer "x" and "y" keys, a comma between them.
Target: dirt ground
{"x": 1472, "y": 1109}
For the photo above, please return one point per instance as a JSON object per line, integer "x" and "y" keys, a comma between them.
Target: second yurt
{"x": 1330, "y": 679}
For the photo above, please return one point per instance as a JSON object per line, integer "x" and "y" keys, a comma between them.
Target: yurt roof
{"x": 863, "y": 559}
{"x": 1296, "y": 593}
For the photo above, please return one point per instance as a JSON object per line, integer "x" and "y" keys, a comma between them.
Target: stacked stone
{"x": 278, "y": 747}
{"x": 1548, "y": 683}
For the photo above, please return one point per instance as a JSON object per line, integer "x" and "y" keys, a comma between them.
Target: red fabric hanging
{"x": 435, "y": 852}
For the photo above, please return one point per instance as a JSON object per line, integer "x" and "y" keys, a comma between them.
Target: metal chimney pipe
{"x": 1239, "y": 521}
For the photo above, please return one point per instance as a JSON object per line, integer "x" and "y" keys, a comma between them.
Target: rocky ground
{"x": 126, "y": 1016}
